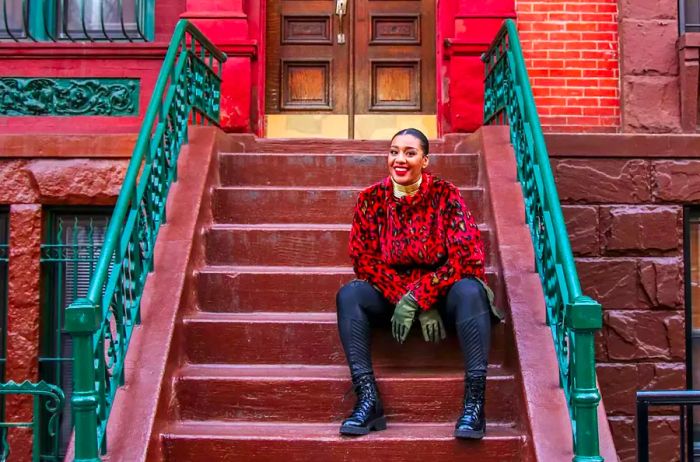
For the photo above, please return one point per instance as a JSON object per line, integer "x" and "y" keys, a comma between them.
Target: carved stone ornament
{"x": 21, "y": 96}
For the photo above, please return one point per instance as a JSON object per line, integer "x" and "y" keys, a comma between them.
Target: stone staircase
{"x": 261, "y": 373}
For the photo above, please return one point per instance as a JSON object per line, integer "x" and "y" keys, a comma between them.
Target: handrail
{"x": 573, "y": 317}
{"x": 685, "y": 399}
{"x": 101, "y": 324}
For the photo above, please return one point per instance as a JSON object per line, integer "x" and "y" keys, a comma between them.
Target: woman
{"x": 416, "y": 251}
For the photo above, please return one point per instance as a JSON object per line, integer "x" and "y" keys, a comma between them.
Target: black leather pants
{"x": 465, "y": 310}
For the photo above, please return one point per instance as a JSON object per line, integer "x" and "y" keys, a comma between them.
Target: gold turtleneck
{"x": 410, "y": 190}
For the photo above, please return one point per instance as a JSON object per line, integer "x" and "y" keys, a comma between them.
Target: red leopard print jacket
{"x": 422, "y": 243}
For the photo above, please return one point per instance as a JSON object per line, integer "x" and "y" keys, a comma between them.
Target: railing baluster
{"x": 642, "y": 432}
{"x": 102, "y": 20}
{"x": 682, "y": 425}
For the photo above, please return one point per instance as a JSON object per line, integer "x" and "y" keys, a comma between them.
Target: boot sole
{"x": 375, "y": 425}
{"x": 469, "y": 434}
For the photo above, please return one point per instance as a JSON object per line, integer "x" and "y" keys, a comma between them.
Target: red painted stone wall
{"x": 623, "y": 204}
{"x": 571, "y": 51}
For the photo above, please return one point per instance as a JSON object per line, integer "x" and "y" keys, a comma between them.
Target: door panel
{"x": 307, "y": 69}
{"x": 394, "y": 56}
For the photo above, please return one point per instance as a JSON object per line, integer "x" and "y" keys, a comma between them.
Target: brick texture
{"x": 571, "y": 51}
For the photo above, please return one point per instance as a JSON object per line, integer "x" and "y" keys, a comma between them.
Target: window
{"x": 692, "y": 300}
{"x": 689, "y": 20}
{"x": 77, "y": 20}
{"x": 69, "y": 257}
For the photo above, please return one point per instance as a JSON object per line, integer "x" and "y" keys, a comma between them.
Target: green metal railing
{"x": 77, "y": 20}
{"x": 187, "y": 91}
{"x": 573, "y": 317}
{"x": 47, "y": 400}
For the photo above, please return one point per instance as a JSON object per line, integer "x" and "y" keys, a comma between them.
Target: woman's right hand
{"x": 404, "y": 314}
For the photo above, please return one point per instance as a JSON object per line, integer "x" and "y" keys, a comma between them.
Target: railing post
{"x": 82, "y": 321}
{"x": 642, "y": 430}
{"x": 584, "y": 319}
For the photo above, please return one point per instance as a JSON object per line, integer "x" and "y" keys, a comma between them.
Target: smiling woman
{"x": 417, "y": 253}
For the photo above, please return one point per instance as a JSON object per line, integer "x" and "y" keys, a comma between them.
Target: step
{"x": 312, "y": 339}
{"x": 335, "y": 146}
{"x": 277, "y": 441}
{"x": 315, "y": 394}
{"x": 275, "y": 204}
{"x": 360, "y": 170}
{"x": 273, "y": 288}
{"x": 285, "y": 244}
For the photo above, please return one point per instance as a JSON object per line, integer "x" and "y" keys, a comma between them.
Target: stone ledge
{"x": 625, "y": 145}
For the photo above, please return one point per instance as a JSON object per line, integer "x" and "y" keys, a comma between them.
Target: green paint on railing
{"x": 187, "y": 91}
{"x": 47, "y": 400}
{"x": 573, "y": 317}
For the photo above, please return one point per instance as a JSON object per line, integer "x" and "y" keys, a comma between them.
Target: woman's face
{"x": 406, "y": 159}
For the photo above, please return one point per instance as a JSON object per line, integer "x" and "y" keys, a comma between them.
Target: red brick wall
{"x": 624, "y": 214}
{"x": 571, "y": 51}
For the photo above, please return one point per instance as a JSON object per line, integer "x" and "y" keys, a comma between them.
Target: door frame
{"x": 262, "y": 68}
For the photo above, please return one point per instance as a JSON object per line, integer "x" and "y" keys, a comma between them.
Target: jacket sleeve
{"x": 366, "y": 254}
{"x": 465, "y": 253}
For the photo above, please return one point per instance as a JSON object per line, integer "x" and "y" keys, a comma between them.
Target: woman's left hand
{"x": 404, "y": 314}
{"x": 432, "y": 326}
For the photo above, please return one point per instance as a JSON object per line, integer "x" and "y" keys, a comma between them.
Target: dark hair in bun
{"x": 419, "y": 135}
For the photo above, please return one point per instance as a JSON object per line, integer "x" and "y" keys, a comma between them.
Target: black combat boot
{"x": 368, "y": 413}
{"x": 472, "y": 424}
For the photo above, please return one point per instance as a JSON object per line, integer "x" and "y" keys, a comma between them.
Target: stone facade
{"x": 649, "y": 66}
{"x": 624, "y": 213}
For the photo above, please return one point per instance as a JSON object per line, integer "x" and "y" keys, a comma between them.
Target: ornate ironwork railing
{"x": 77, "y": 20}
{"x": 48, "y": 401}
{"x": 686, "y": 400}
{"x": 187, "y": 91}
{"x": 573, "y": 317}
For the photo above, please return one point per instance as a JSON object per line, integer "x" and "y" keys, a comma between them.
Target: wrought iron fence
{"x": 685, "y": 400}
{"x": 102, "y": 323}
{"x": 77, "y": 20}
{"x": 689, "y": 15}
{"x": 4, "y": 260}
{"x": 572, "y": 317}
{"x": 47, "y": 403}
{"x": 68, "y": 261}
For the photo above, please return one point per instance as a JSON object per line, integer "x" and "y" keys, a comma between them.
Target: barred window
{"x": 69, "y": 257}
{"x": 77, "y": 20}
{"x": 689, "y": 20}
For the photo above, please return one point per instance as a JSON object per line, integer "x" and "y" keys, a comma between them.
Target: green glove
{"x": 404, "y": 314}
{"x": 433, "y": 328}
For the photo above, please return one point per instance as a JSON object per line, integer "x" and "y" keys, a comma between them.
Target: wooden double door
{"x": 350, "y": 68}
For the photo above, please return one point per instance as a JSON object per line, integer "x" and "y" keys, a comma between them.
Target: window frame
{"x": 691, "y": 214}
{"x": 683, "y": 25}
{"x": 42, "y": 24}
